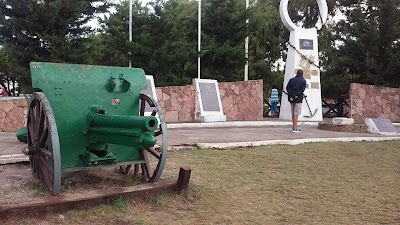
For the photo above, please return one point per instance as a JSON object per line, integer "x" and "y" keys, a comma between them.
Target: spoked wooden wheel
{"x": 43, "y": 143}
{"x": 157, "y": 155}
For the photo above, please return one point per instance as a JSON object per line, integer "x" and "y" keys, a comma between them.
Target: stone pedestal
{"x": 342, "y": 121}
{"x": 351, "y": 128}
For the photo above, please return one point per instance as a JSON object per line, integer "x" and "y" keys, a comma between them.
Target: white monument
{"x": 303, "y": 54}
{"x": 208, "y": 101}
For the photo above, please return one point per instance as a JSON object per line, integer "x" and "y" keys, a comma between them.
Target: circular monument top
{"x": 283, "y": 11}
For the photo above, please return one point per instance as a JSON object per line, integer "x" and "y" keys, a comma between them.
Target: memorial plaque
{"x": 314, "y": 72}
{"x": 306, "y": 74}
{"x": 307, "y": 44}
{"x": 209, "y": 96}
{"x": 314, "y": 85}
{"x": 384, "y": 126}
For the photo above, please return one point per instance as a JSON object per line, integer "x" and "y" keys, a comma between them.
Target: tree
{"x": 8, "y": 80}
{"x": 223, "y": 34}
{"x": 46, "y": 30}
{"x": 163, "y": 43}
{"x": 165, "y": 40}
{"x": 175, "y": 61}
{"x": 265, "y": 31}
{"x": 369, "y": 48}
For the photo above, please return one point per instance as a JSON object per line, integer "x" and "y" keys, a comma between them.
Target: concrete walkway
{"x": 224, "y": 135}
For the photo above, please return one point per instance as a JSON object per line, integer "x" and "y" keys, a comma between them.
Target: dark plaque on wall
{"x": 209, "y": 96}
{"x": 307, "y": 44}
{"x": 148, "y": 92}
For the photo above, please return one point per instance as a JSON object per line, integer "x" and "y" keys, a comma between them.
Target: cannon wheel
{"x": 160, "y": 154}
{"x": 43, "y": 143}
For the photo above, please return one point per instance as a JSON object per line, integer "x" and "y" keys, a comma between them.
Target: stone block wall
{"x": 12, "y": 114}
{"x": 242, "y": 100}
{"x": 177, "y": 102}
{"x": 369, "y": 101}
{"x": 352, "y": 128}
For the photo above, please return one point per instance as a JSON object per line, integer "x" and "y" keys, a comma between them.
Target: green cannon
{"x": 87, "y": 116}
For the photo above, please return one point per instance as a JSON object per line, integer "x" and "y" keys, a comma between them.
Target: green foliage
{"x": 165, "y": 40}
{"x": 46, "y": 30}
{"x": 65, "y": 184}
{"x": 39, "y": 188}
{"x": 224, "y": 32}
{"x": 265, "y": 37}
{"x": 307, "y": 11}
{"x": 119, "y": 203}
{"x": 162, "y": 42}
{"x": 193, "y": 193}
{"x": 174, "y": 62}
{"x": 159, "y": 199}
{"x": 368, "y": 46}
{"x": 8, "y": 71}
{"x": 141, "y": 221}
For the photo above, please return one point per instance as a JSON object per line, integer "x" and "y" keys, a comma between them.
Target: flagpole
{"x": 246, "y": 49}
{"x": 199, "y": 41}
{"x": 130, "y": 29}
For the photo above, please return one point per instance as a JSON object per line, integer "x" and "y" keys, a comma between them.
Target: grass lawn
{"x": 318, "y": 183}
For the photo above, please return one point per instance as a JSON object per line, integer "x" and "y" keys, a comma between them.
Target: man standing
{"x": 295, "y": 89}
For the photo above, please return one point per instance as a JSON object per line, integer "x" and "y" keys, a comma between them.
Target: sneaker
{"x": 296, "y": 131}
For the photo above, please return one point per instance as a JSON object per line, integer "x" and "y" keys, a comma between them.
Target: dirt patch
{"x": 16, "y": 182}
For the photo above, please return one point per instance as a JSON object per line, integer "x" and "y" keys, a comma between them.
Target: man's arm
{"x": 289, "y": 87}
{"x": 304, "y": 86}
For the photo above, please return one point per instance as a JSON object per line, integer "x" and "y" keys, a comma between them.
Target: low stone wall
{"x": 241, "y": 100}
{"x": 352, "y": 128}
{"x": 12, "y": 114}
{"x": 177, "y": 102}
{"x": 369, "y": 101}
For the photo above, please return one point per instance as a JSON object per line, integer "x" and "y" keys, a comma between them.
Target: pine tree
{"x": 47, "y": 30}
{"x": 370, "y": 48}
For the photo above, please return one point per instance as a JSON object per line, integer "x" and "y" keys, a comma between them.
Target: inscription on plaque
{"x": 307, "y": 44}
{"x": 209, "y": 96}
{"x": 384, "y": 126}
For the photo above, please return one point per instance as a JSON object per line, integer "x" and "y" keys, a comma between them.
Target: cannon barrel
{"x": 120, "y": 129}
{"x": 145, "y": 123}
